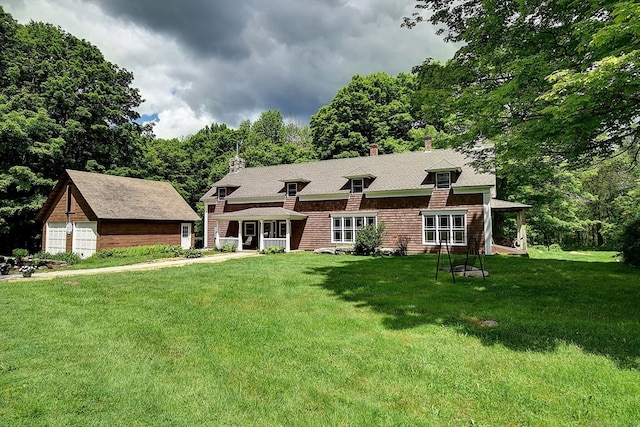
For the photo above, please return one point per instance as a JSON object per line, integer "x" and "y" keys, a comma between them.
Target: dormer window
{"x": 443, "y": 180}
{"x": 357, "y": 185}
{"x": 292, "y": 189}
{"x": 222, "y": 193}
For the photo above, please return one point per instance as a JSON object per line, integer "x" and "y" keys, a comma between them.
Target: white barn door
{"x": 56, "y": 241}
{"x": 85, "y": 238}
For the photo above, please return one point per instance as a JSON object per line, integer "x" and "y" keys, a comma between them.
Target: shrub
{"x": 369, "y": 238}
{"x": 402, "y": 243}
{"x": 68, "y": 257}
{"x": 20, "y": 253}
{"x": 631, "y": 242}
{"x": 228, "y": 247}
{"x": 188, "y": 253}
{"x": 272, "y": 250}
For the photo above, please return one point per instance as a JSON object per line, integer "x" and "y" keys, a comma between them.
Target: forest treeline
{"x": 551, "y": 94}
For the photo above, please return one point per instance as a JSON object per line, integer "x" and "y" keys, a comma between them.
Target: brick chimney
{"x": 235, "y": 164}
{"x": 427, "y": 143}
{"x": 373, "y": 150}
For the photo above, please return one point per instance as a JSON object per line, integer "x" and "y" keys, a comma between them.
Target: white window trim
{"x": 352, "y": 228}
{"x": 222, "y": 193}
{"x": 450, "y": 213}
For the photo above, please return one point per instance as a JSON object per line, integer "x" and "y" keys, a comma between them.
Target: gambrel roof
{"x": 388, "y": 173}
{"x": 117, "y": 197}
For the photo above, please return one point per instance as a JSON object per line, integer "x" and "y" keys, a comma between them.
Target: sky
{"x": 198, "y": 62}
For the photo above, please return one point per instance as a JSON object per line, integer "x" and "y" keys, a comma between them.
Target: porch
{"x": 258, "y": 228}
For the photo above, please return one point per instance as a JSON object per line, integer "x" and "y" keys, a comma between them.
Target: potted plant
{"x": 27, "y": 270}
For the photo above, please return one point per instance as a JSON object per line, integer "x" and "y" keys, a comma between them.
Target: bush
{"x": 368, "y": 239}
{"x": 272, "y": 250}
{"x": 631, "y": 242}
{"x": 402, "y": 243}
{"x": 68, "y": 257}
{"x": 228, "y": 248}
{"x": 20, "y": 253}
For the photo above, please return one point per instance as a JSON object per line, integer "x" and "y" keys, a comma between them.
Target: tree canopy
{"x": 558, "y": 79}
{"x": 62, "y": 105}
{"x": 370, "y": 109}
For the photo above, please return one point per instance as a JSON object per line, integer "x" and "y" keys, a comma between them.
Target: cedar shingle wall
{"x": 401, "y": 216}
{"x": 120, "y": 234}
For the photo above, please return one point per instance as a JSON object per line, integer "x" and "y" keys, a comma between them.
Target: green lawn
{"x": 302, "y": 339}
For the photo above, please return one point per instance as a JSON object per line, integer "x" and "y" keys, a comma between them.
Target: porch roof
{"x": 253, "y": 214}
{"x": 506, "y": 206}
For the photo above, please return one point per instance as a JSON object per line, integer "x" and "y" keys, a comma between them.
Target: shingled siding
{"x": 317, "y": 227}
{"x": 401, "y": 216}
{"x": 121, "y": 234}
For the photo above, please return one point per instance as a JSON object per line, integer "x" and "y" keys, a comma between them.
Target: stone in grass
{"x": 488, "y": 323}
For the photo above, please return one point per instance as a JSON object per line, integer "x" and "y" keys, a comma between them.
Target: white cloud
{"x": 226, "y": 61}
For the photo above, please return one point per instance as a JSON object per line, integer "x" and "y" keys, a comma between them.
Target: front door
{"x": 185, "y": 235}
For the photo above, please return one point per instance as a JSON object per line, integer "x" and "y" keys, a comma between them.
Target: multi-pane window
{"x": 357, "y": 185}
{"x": 292, "y": 189}
{"x": 444, "y": 227}
{"x": 274, "y": 229}
{"x": 344, "y": 228}
{"x": 443, "y": 180}
{"x": 222, "y": 193}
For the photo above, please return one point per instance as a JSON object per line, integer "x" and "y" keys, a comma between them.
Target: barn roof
{"x": 122, "y": 198}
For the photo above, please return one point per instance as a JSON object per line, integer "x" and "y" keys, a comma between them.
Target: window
{"x": 222, "y": 193}
{"x": 292, "y": 189}
{"x": 345, "y": 228}
{"x": 443, "y": 180}
{"x": 446, "y": 227}
{"x": 274, "y": 229}
{"x": 357, "y": 185}
{"x": 249, "y": 228}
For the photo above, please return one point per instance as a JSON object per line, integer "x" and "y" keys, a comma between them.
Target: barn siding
{"x": 120, "y": 234}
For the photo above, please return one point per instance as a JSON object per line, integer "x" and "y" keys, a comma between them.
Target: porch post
{"x": 205, "y": 225}
{"x": 261, "y": 233}
{"x": 488, "y": 225}
{"x": 522, "y": 230}
{"x": 217, "y": 235}
{"x": 239, "y": 234}
{"x": 287, "y": 242}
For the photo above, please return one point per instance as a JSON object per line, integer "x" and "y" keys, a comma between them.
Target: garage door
{"x": 56, "y": 238}
{"x": 85, "y": 238}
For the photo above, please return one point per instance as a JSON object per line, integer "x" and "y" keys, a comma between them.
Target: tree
{"x": 62, "y": 105}
{"x": 269, "y": 141}
{"x": 371, "y": 109}
{"x": 558, "y": 79}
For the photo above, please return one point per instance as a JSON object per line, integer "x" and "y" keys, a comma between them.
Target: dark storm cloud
{"x": 204, "y": 26}
{"x": 198, "y": 61}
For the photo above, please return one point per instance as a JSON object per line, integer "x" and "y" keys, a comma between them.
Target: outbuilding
{"x": 88, "y": 212}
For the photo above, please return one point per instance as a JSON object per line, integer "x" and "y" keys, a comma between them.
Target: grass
{"x": 302, "y": 339}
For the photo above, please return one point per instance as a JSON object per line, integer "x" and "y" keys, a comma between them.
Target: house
{"x": 88, "y": 212}
{"x": 428, "y": 196}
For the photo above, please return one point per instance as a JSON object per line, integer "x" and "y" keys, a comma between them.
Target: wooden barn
{"x": 88, "y": 212}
